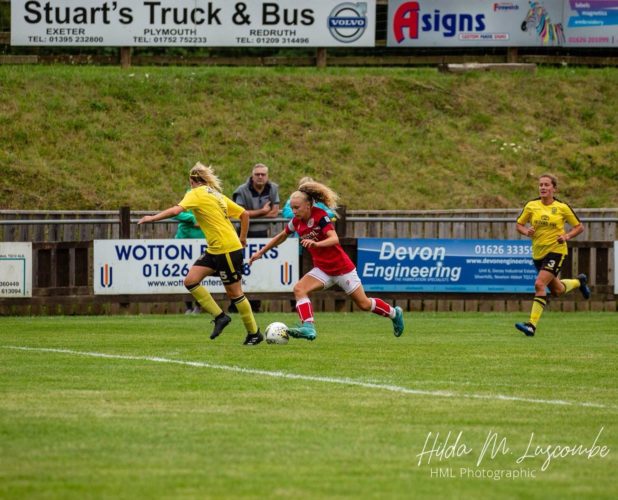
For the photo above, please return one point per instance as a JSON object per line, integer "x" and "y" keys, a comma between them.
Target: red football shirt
{"x": 332, "y": 260}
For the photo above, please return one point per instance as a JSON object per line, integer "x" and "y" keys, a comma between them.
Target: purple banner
{"x": 580, "y": 5}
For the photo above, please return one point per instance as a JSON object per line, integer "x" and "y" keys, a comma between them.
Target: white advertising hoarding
{"x": 519, "y": 23}
{"x": 159, "y": 266}
{"x": 214, "y": 23}
{"x": 16, "y": 270}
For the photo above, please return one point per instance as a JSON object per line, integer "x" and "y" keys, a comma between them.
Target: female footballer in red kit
{"x": 331, "y": 264}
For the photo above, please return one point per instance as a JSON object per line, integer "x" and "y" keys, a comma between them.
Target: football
{"x": 277, "y": 333}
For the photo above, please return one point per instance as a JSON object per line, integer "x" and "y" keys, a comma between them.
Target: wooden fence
{"x": 63, "y": 267}
{"x": 86, "y": 225}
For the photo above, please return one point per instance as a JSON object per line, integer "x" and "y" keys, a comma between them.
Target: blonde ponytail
{"x": 202, "y": 174}
{"x": 315, "y": 191}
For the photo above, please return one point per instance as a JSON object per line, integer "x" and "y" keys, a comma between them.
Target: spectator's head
{"x": 259, "y": 176}
{"x": 201, "y": 175}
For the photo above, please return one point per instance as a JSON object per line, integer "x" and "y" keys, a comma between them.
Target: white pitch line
{"x": 313, "y": 378}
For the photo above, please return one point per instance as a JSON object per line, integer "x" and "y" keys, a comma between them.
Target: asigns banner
{"x": 159, "y": 266}
{"x": 437, "y": 265}
{"x": 483, "y": 23}
{"x": 209, "y": 23}
{"x": 16, "y": 270}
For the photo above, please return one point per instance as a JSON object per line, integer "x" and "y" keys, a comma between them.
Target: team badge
{"x": 310, "y": 222}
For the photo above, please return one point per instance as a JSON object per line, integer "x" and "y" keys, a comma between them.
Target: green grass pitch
{"x": 149, "y": 407}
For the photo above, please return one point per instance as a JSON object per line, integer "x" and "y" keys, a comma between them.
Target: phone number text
{"x": 502, "y": 249}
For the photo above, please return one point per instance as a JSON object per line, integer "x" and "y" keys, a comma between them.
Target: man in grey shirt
{"x": 260, "y": 198}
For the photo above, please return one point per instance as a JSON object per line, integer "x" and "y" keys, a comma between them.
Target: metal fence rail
{"x": 28, "y": 222}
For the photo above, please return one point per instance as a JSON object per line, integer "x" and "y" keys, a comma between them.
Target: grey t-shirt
{"x": 246, "y": 196}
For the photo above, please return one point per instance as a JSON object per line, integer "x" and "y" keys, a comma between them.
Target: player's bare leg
{"x": 379, "y": 307}
{"x": 305, "y": 286}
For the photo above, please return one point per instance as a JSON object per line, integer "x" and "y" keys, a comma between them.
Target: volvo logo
{"x": 347, "y": 21}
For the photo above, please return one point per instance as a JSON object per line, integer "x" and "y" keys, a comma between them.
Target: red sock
{"x": 305, "y": 310}
{"x": 378, "y": 306}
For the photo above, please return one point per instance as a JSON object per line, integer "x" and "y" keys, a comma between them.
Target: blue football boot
{"x": 304, "y": 331}
{"x": 398, "y": 325}
{"x": 583, "y": 285}
{"x": 527, "y": 328}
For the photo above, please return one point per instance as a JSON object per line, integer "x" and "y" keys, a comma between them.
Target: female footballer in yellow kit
{"x": 224, "y": 254}
{"x": 546, "y": 217}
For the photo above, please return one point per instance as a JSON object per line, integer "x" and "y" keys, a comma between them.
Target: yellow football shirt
{"x": 212, "y": 211}
{"x": 548, "y": 223}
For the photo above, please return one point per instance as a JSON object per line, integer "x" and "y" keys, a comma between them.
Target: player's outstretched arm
{"x": 165, "y": 214}
{"x": 276, "y": 241}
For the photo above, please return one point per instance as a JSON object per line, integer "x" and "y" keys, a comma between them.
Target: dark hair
{"x": 553, "y": 178}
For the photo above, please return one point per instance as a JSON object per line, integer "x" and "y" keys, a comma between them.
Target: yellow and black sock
{"x": 538, "y": 305}
{"x": 570, "y": 285}
{"x": 246, "y": 314}
{"x": 205, "y": 299}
